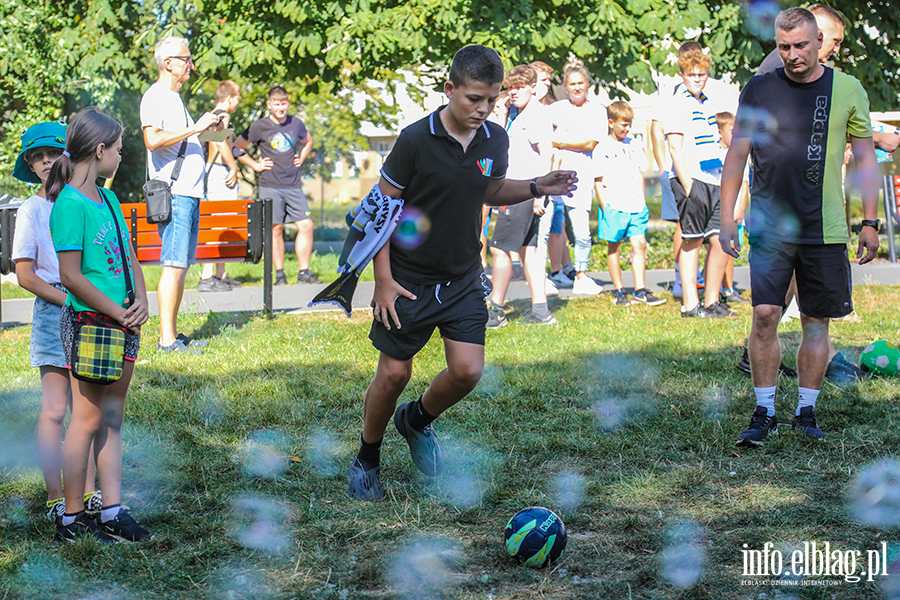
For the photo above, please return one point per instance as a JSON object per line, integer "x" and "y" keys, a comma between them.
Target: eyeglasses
{"x": 187, "y": 59}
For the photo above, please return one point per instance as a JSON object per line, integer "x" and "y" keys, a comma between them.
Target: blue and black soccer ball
{"x": 536, "y": 536}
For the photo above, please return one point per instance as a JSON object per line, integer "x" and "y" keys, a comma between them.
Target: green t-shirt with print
{"x": 78, "y": 223}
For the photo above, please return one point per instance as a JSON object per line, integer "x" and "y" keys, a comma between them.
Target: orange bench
{"x": 229, "y": 231}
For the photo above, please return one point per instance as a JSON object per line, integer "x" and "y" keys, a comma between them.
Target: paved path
{"x": 295, "y": 298}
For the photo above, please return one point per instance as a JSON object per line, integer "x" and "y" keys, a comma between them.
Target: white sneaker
{"x": 586, "y": 287}
{"x": 560, "y": 279}
{"x": 550, "y": 288}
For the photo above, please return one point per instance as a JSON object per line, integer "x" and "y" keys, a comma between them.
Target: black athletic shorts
{"x": 516, "y": 227}
{"x": 699, "y": 213}
{"x": 824, "y": 284}
{"x": 457, "y": 308}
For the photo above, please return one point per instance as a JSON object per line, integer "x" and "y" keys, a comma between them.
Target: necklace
{"x": 469, "y": 138}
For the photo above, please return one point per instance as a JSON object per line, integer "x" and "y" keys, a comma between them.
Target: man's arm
{"x": 732, "y": 180}
{"x": 155, "y": 138}
{"x": 579, "y": 145}
{"x": 658, "y": 139}
{"x": 259, "y": 166}
{"x": 304, "y": 151}
{"x": 679, "y": 163}
{"x": 504, "y": 191}
{"x": 867, "y": 173}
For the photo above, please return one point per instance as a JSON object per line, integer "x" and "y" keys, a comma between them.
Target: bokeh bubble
{"x": 240, "y": 581}
{"x": 210, "y": 408}
{"x": 568, "y": 489}
{"x": 42, "y": 571}
{"x": 146, "y": 466}
{"x": 875, "y": 494}
{"x": 613, "y": 413}
{"x": 758, "y": 123}
{"x": 262, "y": 454}
{"x": 412, "y": 230}
{"x": 492, "y": 381}
{"x": 323, "y": 452}
{"x": 471, "y": 468}
{"x": 683, "y": 559}
{"x": 759, "y": 18}
{"x": 259, "y": 522}
{"x": 620, "y": 388}
{"x": 715, "y": 403}
{"x": 423, "y": 569}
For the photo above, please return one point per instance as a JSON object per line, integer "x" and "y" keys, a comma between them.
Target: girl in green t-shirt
{"x": 92, "y": 268}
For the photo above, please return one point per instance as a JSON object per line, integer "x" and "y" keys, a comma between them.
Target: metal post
{"x": 267, "y": 255}
{"x": 889, "y": 214}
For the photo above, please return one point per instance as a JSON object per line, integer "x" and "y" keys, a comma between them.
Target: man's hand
{"x": 206, "y": 121}
{"x": 264, "y": 164}
{"x": 868, "y": 240}
{"x": 231, "y": 179}
{"x": 557, "y": 183}
{"x": 728, "y": 237}
{"x": 383, "y": 300}
{"x": 298, "y": 162}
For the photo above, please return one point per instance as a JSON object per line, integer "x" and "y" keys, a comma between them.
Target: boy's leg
{"x": 303, "y": 242}
{"x": 614, "y": 265}
{"x": 389, "y": 382}
{"x": 535, "y": 274}
{"x": 690, "y": 252}
{"x": 639, "y": 260}
{"x": 278, "y": 246}
{"x": 716, "y": 270}
{"x": 170, "y": 291}
{"x": 465, "y": 365}
{"x": 500, "y": 274}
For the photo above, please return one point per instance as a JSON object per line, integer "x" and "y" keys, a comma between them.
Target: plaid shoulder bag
{"x": 99, "y": 355}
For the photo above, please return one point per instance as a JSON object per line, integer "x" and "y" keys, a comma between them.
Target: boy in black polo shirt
{"x": 445, "y": 167}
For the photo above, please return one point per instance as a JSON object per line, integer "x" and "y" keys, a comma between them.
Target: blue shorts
{"x": 614, "y": 225}
{"x": 46, "y": 343}
{"x": 558, "y": 225}
{"x": 179, "y": 235}
{"x": 668, "y": 210}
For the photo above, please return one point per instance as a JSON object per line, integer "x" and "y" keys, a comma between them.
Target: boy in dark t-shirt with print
{"x": 444, "y": 167}
{"x": 284, "y": 143}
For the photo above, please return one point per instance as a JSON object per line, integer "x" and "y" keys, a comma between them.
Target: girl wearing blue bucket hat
{"x": 37, "y": 270}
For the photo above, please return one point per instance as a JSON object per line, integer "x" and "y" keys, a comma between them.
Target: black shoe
{"x": 720, "y": 311}
{"x": 280, "y": 279}
{"x": 732, "y": 296}
{"x": 124, "y": 527}
{"x": 841, "y": 371}
{"x": 744, "y": 367}
{"x": 84, "y": 526}
{"x": 307, "y": 276}
{"x": 698, "y": 311}
{"x": 620, "y": 298}
{"x": 365, "y": 485}
{"x": 213, "y": 284}
{"x": 647, "y": 298}
{"x": 191, "y": 342}
{"x": 761, "y": 425}
{"x": 234, "y": 283}
{"x": 806, "y": 422}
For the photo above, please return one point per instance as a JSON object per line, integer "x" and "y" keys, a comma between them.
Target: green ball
{"x": 880, "y": 358}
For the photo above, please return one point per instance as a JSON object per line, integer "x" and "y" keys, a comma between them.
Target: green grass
{"x": 237, "y": 461}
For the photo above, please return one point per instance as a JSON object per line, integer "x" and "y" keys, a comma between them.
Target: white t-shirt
{"x": 163, "y": 108}
{"x": 32, "y": 238}
{"x": 621, "y": 165}
{"x": 695, "y": 119}
{"x": 529, "y": 128}
{"x": 578, "y": 123}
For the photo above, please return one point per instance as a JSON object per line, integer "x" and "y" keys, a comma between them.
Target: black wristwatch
{"x": 534, "y": 190}
{"x": 870, "y": 223}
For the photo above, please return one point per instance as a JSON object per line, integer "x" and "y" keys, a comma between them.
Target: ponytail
{"x": 60, "y": 173}
{"x": 88, "y": 129}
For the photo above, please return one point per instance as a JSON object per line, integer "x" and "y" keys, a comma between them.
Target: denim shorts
{"x": 46, "y": 343}
{"x": 559, "y": 218}
{"x": 179, "y": 235}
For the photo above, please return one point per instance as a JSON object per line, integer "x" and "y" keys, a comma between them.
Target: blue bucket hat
{"x": 43, "y": 135}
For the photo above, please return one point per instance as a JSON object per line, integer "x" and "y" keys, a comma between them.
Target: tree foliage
{"x": 57, "y": 57}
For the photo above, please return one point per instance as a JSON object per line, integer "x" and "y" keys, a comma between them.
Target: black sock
{"x": 553, "y": 273}
{"x": 369, "y": 456}
{"x": 418, "y": 416}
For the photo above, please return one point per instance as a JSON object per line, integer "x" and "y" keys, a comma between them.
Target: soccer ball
{"x": 536, "y": 536}
{"x": 881, "y": 358}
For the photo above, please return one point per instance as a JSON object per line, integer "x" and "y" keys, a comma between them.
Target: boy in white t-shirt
{"x": 619, "y": 184}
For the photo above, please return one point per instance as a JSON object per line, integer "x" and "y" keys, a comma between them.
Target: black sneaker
{"x": 365, "y": 485}
{"x": 84, "y": 526}
{"x": 732, "y": 296}
{"x": 496, "y": 317}
{"x": 619, "y": 298}
{"x": 280, "y": 279}
{"x": 191, "y": 342}
{"x": 424, "y": 446}
{"x": 697, "y": 312}
{"x": 124, "y": 527}
{"x": 760, "y": 426}
{"x": 743, "y": 366}
{"x": 178, "y": 347}
{"x": 720, "y": 311}
{"x": 647, "y": 298}
{"x": 841, "y": 371}
{"x": 213, "y": 284}
{"x": 232, "y": 282}
{"x": 307, "y": 276}
{"x": 806, "y": 422}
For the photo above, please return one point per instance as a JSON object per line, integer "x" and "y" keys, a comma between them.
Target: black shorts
{"x": 516, "y": 227}
{"x": 699, "y": 213}
{"x": 824, "y": 283}
{"x": 457, "y": 308}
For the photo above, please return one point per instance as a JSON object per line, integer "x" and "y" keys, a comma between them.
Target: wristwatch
{"x": 534, "y": 190}
{"x": 870, "y": 223}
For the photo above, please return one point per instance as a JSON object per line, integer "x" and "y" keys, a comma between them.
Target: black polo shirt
{"x": 443, "y": 187}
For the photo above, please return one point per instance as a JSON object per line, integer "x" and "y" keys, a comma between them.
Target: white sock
{"x": 807, "y": 398}
{"x": 766, "y": 397}
{"x": 110, "y": 512}
{"x": 68, "y": 519}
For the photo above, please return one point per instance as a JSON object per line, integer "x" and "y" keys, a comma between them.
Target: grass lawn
{"x": 623, "y": 420}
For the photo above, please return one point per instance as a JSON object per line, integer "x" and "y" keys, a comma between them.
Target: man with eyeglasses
{"x": 171, "y": 136}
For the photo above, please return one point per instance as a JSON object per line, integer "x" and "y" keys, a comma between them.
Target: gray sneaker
{"x": 496, "y": 317}
{"x": 213, "y": 284}
{"x": 424, "y": 446}
{"x": 365, "y": 485}
{"x": 532, "y": 319}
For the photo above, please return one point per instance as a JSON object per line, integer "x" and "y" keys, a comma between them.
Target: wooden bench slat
{"x": 214, "y": 237}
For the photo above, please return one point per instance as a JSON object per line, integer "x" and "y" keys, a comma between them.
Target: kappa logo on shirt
{"x": 486, "y": 164}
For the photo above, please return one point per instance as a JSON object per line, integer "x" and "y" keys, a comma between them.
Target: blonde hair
{"x": 619, "y": 111}
{"x": 693, "y": 60}
{"x": 520, "y": 76}
{"x": 227, "y": 88}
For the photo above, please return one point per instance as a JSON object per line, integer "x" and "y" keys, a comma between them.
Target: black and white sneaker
{"x": 761, "y": 425}
{"x": 496, "y": 317}
{"x": 719, "y": 311}
{"x": 647, "y": 298}
{"x": 124, "y": 527}
{"x": 84, "y": 526}
{"x": 806, "y": 422}
{"x": 698, "y": 312}
{"x": 620, "y": 298}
